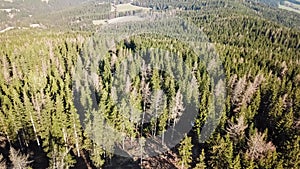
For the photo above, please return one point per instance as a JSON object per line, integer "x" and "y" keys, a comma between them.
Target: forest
{"x": 204, "y": 84}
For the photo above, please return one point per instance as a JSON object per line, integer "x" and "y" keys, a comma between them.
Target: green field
{"x": 127, "y": 7}
{"x": 121, "y": 8}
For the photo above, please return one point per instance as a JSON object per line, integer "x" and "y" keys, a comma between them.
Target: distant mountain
{"x": 38, "y": 6}
{"x": 74, "y": 13}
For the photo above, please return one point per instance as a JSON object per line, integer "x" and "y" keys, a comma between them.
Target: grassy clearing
{"x": 128, "y": 7}
{"x": 288, "y": 8}
{"x": 117, "y": 20}
{"x": 287, "y": 5}
{"x": 99, "y": 22}
{"x": 122, "y": 8}
{"x": 290, "y": 4}
{"x": 6, "y": 29}
{"x": 124, "y": 19}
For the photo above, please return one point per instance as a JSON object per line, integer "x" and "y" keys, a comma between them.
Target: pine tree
{"x": 96, "y": 156}
{"x": 185, "y": 152}
{"x": 292, "y": 154}
{"x": 236, "y": 164}
{"x": 163, "y": 121}
{"x": 221, "y": 152}
{"x": 201, "y": 164}
{"x": 145, "y": 90}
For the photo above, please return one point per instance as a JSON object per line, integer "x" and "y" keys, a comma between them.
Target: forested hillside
{"x": 72, "y": 96}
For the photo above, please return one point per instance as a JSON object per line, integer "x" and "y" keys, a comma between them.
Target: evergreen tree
{"x": 201, "y": 164}
{"x": 185, "y": 152}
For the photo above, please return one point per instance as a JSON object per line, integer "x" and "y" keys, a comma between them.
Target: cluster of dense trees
{"x": 258, "y": 55}
{"x": 76, "y": 17}
{"x": 149, "y": 76}
{"x": 69, "y": 99}
{"x": 37, "y": 112}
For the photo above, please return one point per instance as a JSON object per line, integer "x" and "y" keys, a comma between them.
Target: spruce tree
{"x": 185, "y": 152}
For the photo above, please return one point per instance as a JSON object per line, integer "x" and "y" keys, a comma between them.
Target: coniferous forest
{"x": 201, "y": 84}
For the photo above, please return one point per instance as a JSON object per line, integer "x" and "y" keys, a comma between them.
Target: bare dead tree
{"x": 297, "y": 78}
{"x": 76, "y": 136}
{"x": 19, "y": 161}
{"x": 2, "y": 162}
{"x": 16, "y": 73}
{"x": 252, "y": 88}
{"x": 284, "y": 68}
{"x": 258, "y": 147}
{"x": 297, "y": 123}
{"x": 238, "y": 90}
{"x": 237, "y": 130}
{"x": 58, "y": 159}
{"x": 128, "y": 84}
{"x": 6, "y": 69}
{"x": 177, "y": 109}
{"x": 156, "y": 108}
{"x": 37, "y": 106}
{"x": 232, "y": 80}
{"x": 95, "y": 80}
{"x": 243, "y": 91}
{"x": 287, "y": 102}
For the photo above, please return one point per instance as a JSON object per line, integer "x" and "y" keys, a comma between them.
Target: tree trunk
{"x": 34, "y": 129}
{"x": 76, "y": 140}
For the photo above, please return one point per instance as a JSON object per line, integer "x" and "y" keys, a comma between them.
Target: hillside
{"x": 79, "y": 15}
{"x": 149, "y": 84}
